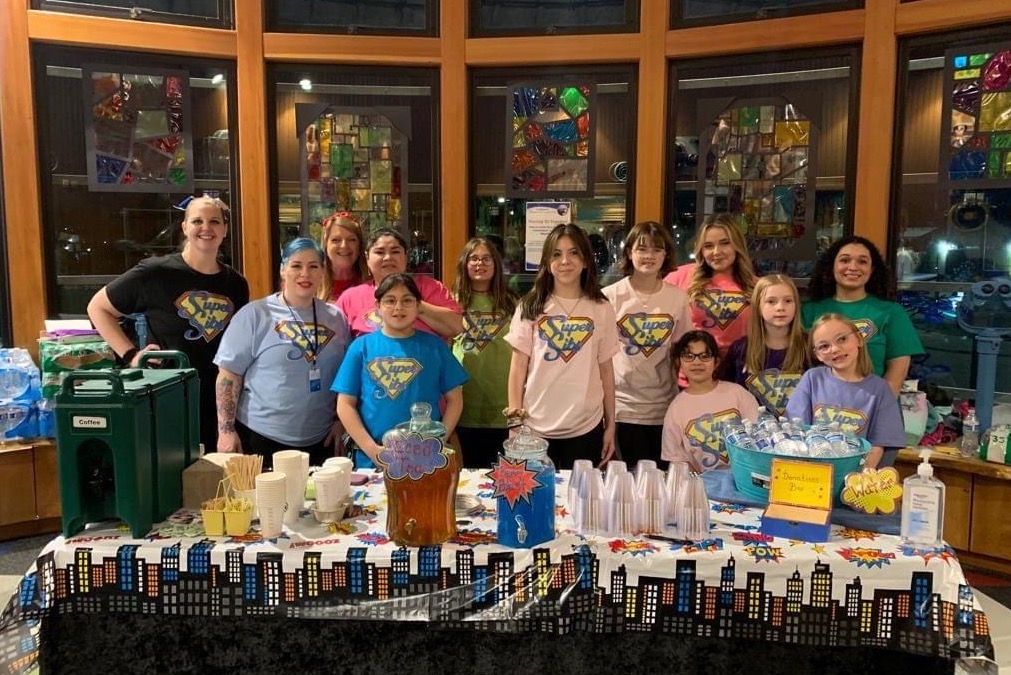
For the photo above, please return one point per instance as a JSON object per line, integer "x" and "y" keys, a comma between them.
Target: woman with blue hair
{"x": 276, "y": 361}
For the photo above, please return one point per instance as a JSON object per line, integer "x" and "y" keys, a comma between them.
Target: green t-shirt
{"x": 885, "y": 325}
{"x": 482, "y": 350}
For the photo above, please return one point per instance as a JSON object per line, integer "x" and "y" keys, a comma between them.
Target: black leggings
{"x": 257, "y": 444}
{"x": 639, "y": 441}
{"x": 564, "y": 451}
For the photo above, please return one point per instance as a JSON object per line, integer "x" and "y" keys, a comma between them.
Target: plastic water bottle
{"x": 737, "y": 434}
{"x": 817, "y": 444}
{"x": 837, "y": 439}
{"x": 970, "y": 435}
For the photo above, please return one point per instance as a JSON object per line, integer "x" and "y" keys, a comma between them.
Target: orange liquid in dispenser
{"x": 421, "y": 477}
{"x": 422, "y": 512}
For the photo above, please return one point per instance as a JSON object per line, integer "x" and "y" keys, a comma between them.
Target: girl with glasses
{"x": 693, "y": 425}
{"x": 852, "y": 279}
{"x": 847, "y": 391}
{"x": 386, "y": 371}
{"x": 769, "y": 361}
{"x": 720, "y": 281}
{"x": 481, "y": 348}
{"x": 651, "y": 316}
{"x": 563, "y": 335}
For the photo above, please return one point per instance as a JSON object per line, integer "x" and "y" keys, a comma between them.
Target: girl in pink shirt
{"x": 720, "y": 281}
{"x": 564, "y": 336}
{"x": 693, "y": 426}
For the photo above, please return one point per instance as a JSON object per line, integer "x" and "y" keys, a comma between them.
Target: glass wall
{"x": 768, "y": 138}
{"x": 410, "y": 17}
{"x": 951, "y": 223}
{"x": 123, "y": 138}
{"x": 357, "y": 139}
{"x": 216, "y": 13}
{"x": 552, "y": 17}
{"x": 712, "y": 12}
{"x": 546, "y": 144}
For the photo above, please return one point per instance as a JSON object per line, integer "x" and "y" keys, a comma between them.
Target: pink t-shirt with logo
{"x": 722, "y": 310}
{"x": 359, "y": 304}
{"x": 692, "y": 428}
{"x": 564, "y": 395}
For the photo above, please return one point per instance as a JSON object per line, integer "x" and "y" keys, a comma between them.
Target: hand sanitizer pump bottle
{"x": 923, "y": 507}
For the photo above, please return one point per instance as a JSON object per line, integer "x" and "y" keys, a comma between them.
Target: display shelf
{"x": 33, "y": 506}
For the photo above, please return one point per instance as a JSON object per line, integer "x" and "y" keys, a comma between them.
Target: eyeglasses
{"x": 704, "y": 357}
{"x": 406, "y": 301}
{"x": 840, "y": 340}
{"x": 480, "y": 260}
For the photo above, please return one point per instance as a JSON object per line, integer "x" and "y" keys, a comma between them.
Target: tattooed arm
{"x": 227, "y": 390}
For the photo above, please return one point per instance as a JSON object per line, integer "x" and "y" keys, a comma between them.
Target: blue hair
{"x": 300, "y": 244}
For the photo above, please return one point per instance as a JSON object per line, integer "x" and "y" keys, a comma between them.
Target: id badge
{"x": 315, "y": 380}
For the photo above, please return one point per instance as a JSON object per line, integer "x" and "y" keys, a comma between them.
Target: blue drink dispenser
{"x": 525, "y": 491}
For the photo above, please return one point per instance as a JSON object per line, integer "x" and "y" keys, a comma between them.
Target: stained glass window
{"x": 976, "y": 148}
{"x": 137, "y": 131}
{"x": 550, "y": 140}
{"x": 354, "y": 160}
{"x": 759, "y": 167}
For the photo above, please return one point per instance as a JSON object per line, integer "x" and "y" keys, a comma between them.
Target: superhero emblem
{"x": 297, "y": 333}
{"x": 564, "y": 336}
{"x": 393, "y": 374}
{"x": 706, "y": 434}
{"x": 645, "y": 333}
{"x": 207, "y": 313}
{"x": 721, "y": 307}
{"x": 773, "y": 388}
{"x": 480, "y": 328}
{"x": 851, "y": 421}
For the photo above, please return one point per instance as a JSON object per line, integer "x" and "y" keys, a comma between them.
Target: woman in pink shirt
{"x": 438, "y": 312}
{"x": 720, "y": 281}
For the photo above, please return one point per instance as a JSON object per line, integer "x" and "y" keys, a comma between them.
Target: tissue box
{"x": 800, "y": 501}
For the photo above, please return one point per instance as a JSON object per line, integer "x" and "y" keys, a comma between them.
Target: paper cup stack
{"x": 271, "y": 500}
{"x": 333, "y": 484}
{"x": 294, "y": 464}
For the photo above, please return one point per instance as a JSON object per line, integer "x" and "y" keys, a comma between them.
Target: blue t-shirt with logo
{"x": 387, "y": 375}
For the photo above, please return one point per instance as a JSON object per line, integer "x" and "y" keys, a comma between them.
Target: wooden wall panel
{"x": 21, "y": 178}
{"x": 651, "y": 113}
{"x": 254, "y": 188}
{"x": 454, "y": 173}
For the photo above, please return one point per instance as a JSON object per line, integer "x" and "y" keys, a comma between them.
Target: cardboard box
{"x": 800, "y": 501}
{"x": 200, "y": 481}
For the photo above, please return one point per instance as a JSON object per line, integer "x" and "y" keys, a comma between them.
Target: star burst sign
{"x": 514, "y": 481}
{"x": 867, "y": 557}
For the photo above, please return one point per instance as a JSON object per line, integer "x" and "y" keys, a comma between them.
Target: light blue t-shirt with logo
{"x": 387, "y": 375}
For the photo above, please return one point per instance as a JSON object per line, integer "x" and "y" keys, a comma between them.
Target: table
{"x": 733, "y": 595}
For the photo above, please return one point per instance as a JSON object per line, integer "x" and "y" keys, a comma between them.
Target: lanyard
{"x": 313, "y": 345}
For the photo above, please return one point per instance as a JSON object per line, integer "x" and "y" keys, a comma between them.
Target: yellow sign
{"x": 872, "y": 490}
{"x": 799, "y": 483}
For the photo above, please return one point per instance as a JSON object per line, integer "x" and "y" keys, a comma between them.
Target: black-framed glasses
{"x": 704, "y": 357}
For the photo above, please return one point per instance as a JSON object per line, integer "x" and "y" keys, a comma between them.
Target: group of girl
{"x": 592, "y": 370}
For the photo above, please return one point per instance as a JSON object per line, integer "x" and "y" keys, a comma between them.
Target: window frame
{"x": 226, "y": 14}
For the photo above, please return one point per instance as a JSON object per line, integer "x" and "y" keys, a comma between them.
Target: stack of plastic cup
{"x": 615, "y": 468}
{"x": 641, "y": 468}
{"x": 580, "y": 468}
{"x": 651, "y": 502}
{"x": 295, "y": 465}
{"x": 590, "y": 511}
{"x": 271, "y": 502}
{"x": 621, "y": 505}
{"x": 693, "y": 510}
{"x": 678, "y": 474}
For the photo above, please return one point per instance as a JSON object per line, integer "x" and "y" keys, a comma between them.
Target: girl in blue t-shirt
{"x": 384, "y": 372}
{"x": 848, "y": 392}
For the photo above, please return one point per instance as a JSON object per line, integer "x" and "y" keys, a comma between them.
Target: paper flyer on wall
{"x": 542, "y": 217}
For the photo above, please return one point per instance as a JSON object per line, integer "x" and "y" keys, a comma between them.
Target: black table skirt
{"x": 133, "y": 643}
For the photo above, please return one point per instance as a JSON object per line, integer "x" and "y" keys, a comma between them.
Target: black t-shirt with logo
{"x": 187, "y": 311}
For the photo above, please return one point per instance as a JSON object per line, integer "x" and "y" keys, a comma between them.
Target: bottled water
{"x": 837, "y": 439}
{"x": 817, "y": 444}
{"x": 767, "y": 421}
{"x": 736, "y": 433}
{"x": 970, "y": 435}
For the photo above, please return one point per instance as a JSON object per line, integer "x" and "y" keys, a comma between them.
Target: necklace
{"x": 568, "y": 312}
{"x": 645, "y": 301}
